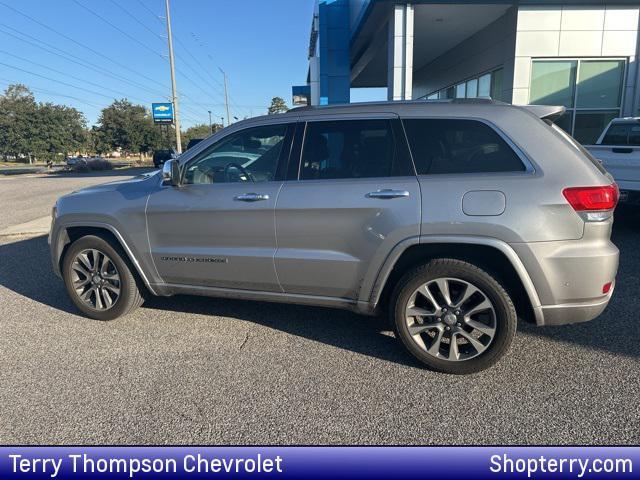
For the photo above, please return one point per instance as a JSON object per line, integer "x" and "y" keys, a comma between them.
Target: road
{"x": 31, "y": 197}
{"x": 197, "y": 370}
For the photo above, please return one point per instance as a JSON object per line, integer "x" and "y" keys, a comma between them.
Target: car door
{"x": 217, "y": 228}
{"x": 356, "y": 196}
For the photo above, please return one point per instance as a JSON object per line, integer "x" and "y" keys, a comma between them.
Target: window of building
{"x": 487, "y": 85}
{"x": 459, "y": 146}
{"x": 591, "y": 89}
{"x": 484, "y": 85}
{"x": 472, "y": 88}
{"x": 348, "y": 149}
{"x": 250, "y": 155}
{"x": 496, "y": 84}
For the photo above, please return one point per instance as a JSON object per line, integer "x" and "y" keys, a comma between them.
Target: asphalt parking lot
{"x": 197, "y": 370}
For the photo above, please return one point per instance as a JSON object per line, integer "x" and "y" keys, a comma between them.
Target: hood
{"x": 132, "y": 183}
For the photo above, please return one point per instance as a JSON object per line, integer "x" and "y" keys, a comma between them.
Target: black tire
{"x": 505, "y": 314}
{"x": 130, "y": 296}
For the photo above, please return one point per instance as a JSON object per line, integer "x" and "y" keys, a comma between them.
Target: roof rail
{"x": 455, "y": 101}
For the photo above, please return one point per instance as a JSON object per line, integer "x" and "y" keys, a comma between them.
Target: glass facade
{"x": 591, "y": 89}
{"x": 487, "y": 85}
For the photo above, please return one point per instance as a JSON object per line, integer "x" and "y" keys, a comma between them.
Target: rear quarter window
{"x": 575, "y": 144}
{"x": 441, "y": 146}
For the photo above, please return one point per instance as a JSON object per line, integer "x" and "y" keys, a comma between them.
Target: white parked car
{"x": 618, "y": 149}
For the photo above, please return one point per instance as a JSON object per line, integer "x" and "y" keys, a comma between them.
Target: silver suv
{"x": 456, "y": 217}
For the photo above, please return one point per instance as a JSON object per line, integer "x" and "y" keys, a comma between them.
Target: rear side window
{"x": 622, "y": 134}
{"x": 459, "y": 146}
{"x": 348, "y": 149}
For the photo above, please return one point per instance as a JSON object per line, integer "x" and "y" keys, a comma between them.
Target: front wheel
{"x": 99, "y": 280}
{"x": 453, "y": 316}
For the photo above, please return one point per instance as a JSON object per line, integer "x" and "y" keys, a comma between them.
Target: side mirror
{"x": 171, "y": 173}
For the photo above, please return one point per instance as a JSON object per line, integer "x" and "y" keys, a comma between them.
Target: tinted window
{"x": 618, "y": 134}
{"x": 622, "y": 134}
{"x": 248, "y": 156}
{"x": 348, "y": 149}
{"x": 634, "y": 135}
{"x": 459, "y": 146}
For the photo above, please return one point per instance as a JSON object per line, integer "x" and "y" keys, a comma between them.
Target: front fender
{"x": 60, "y": 238}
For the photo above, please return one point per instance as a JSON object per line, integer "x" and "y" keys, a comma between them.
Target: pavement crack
{"x": 244, "y": 341}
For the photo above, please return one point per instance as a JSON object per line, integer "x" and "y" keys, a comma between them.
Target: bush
{"x": 81, "y": 167}
{"x": 99, "y": 164}
{"x": 92, "y": 165}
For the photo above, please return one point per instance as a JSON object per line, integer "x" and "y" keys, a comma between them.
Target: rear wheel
{"x": 99, "y": 280}
{"x": 453, "y": 316}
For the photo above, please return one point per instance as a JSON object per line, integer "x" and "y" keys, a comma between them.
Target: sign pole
{"x": 173, "y": 80}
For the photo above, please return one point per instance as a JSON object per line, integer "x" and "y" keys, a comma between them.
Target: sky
{"x": 86, "y": 53}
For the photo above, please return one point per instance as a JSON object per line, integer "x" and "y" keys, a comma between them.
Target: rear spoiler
{"x": 546, "y": 112}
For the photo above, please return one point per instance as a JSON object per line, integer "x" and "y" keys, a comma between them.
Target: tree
{"x": 61, "y": 130}
{"x": 278, "y": 105}
{"x": 17, "y": 129}
{"x": 95, "y": 143}
{"x": 123, "y": 125}
{"x": 197, "y": 131}
{"x": 43, "y": 130}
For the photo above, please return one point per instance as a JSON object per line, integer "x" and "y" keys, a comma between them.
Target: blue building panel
{"x": 334, "y": 35}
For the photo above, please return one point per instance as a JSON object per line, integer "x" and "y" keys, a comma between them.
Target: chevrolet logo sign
{"x": 162, "y": 108}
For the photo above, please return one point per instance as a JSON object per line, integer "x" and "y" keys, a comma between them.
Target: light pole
{"x": 210, "y": 124}
{"x": 174, "y": 91}
{"x": 226, "y": 95}
{"x": 222, "y": 121}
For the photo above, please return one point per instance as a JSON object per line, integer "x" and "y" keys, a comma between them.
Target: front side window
{"x": 348, "y": 149}
{"x": 250, "y": 155}
{"x": 459, "y": 146}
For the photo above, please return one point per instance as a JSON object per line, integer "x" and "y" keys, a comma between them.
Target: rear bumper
{"x": 569, "y": 277}
{"x": 575, "y": 312}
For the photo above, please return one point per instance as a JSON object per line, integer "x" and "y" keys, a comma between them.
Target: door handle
{"x": 387, "y": 194}
{"x": 251, "y": 197}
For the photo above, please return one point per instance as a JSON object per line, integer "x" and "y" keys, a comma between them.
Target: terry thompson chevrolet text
{"x": 455, "y": 217}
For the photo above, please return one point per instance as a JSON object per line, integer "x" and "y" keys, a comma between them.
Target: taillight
{"x": 597, "y": 203}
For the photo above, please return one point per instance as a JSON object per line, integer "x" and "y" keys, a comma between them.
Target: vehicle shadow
{"x": 25, "y": 269}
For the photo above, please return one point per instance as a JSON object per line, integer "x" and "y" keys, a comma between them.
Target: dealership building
{"x": 580, "y": 54}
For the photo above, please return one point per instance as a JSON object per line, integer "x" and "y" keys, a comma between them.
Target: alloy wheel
{"x": 95, "y": 279}
{"x": 451, "y": 319}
